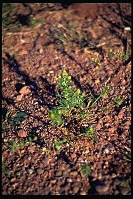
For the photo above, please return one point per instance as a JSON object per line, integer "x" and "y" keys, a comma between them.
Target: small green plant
{"x": 71, "y": 103}
{"x": 105, "y": 91}
{"x": 119, "y": 55}
{"x": 118, "y": 101}
{"x": 122, "y": 55}
{"x": 85, "y": 170}
{"x": 58, "y": 144}
{"x": 14, "y": 146}
{"x": 96, "y": 60}
{"x": 31, "y": 139}
{"x": 4, "y": 168}
{"x": 55, "y": 117}
{"x": 9, "y": 20}
{"x": 20, "y": 117}
{"x": 90, "y": 132}
{"x": 70, "y": 100}
{"x": 33, "y": 22}
{"x": 14, "y": 121}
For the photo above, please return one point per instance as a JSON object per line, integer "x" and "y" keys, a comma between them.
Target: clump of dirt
{"x": 92, "y": 42}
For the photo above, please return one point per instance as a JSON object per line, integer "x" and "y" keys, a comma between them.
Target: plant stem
{"x": 106, "y": 89}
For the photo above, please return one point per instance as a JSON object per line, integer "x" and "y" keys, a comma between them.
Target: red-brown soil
{"x": 70, "y": 38}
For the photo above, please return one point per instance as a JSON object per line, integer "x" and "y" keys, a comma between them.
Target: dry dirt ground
{"x": 93, "y": 44}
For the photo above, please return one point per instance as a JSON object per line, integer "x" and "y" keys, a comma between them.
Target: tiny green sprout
{"x": 13, "y": 145}
{"x": 57, "y": 145}
{"x": 21, "y": 144}
{"x": 110, "y": 50}
{"x": 35, "y": 138}
{"x": 118, "y": 101}
{"x": 32, "y": 22}
{"x": 95, "y": 59}
{"x": 59, "y": 77}
{"x": 122, "y": 55}
{"x": 91, "y": 129}
{"x": 64, "y": 73}
{"x": 105, "y": 91}
{"x": 69, "y": 77}
{"x": 85, "y": 170}
{"x": 78, "y": 91}
{"x": 2, "y": 159}
{"x": 90, "y": 132}
{"x": 119, "y": 55}
{"x": 55, "y": 117}
{"x": 52, "y": 116}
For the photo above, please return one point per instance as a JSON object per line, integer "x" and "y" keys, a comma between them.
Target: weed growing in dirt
{"x": 90, "y": 132}
{"x": 68, "y": 36}
{"x": 4, "y": 168}
{"x": 72, "y": 105}
{"x": 20, "y": 117}
{"x": 105, "y": 91}
{"x": 85, "y": 170}
{"x": 119, "y": 55}
{"x": 70, "y": 100}
{"x": 96, "y": 60}
{"x": 8, "y": 19}
{"x": 14, "y": 146}
{"x": 58, "y": 144}
{"x": 118, "y": 101}
{"x": 55, "y": 117}
{"x": 33, "y": 22}
{"x": 14, "y": 121}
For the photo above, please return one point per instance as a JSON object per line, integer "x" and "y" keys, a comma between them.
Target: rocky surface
{"x": 33, "y": 57}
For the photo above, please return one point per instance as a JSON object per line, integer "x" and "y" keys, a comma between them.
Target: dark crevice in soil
{"x": 63, "y": 156}
{"x": 14, "y": 66}
{"x": 11, "y": 102}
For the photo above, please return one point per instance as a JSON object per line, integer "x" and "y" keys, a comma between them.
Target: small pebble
{"x": 40, "y": 171}
{"x": 19, "y": 98}
{"x": 82, "y": 193}
{"x": 94, "y": 174}
{"x": 31, "y": 149}
{"x": 46, "y": 162}
{"x": 74, "y": 173}
{"x": 13, "y": 180}
{"x": 53, "y": 181}
{"x": 117, "y": 182}
{"x": 69, "y": 180}
{"x": 99, "y": 176}
{"x": 25, "y": 90}
{"x": 102, "y": 188}
{"x": 30, "y": 171}
{"x": 116, "y": 192}
{"x": 125, "y": 191}
{"x": 113, "y": 175}
{"x": 58, "y": 173}
{"x": 73, "y": 155}
{"x": 106, "y": 151}
{"x": 75, "y": 189}
{"x": 22, "y": 133}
